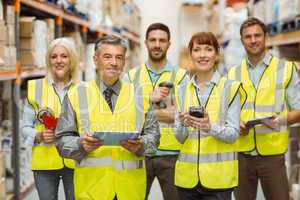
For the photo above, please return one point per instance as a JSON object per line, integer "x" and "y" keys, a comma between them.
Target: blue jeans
{"x": 47, "y": 182}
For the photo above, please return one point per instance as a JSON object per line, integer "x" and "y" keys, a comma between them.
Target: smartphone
{"x": 197, "y": 111}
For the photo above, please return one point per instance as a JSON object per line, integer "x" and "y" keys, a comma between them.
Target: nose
{"x": 156, "y": 43}
{"x": 253, "y": 39}
{"x": 201, "y": 53}
{"x": 113, "y": 61}
{"x": 58, "y": 59}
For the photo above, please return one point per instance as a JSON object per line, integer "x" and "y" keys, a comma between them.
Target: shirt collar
{"x": 115, "y": 87}
{"x": 51, "y": 82}
{"x": 266, "y": 60}
{"x": 167, "y": 68}
{"x": 214, "y": 80}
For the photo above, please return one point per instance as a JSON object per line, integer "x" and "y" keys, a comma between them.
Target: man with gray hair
{"x": 103, "y": 109}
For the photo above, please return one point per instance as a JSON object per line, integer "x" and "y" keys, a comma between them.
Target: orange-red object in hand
{"x": 46, "y": 117}
{"x": 50, "y": 122}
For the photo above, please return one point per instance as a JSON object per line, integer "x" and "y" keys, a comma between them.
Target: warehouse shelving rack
{"x": 18, "y": 74}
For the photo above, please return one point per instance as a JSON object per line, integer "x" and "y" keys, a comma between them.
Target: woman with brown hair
{"x": 207, "y": 125}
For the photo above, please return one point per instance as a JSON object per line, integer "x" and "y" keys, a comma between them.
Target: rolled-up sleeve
{"x": 180, "y": 131}
{"x": 28, "y": 130}
{"x": 293, "y": 91}
{"x": 150, "y": 134}
{"x": 67, "y": 136}
{"x": 230, "y": 131}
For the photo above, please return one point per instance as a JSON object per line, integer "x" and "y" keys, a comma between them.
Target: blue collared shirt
{"x": 154, "y": 76}
{"x": 29, "y": 118}
{"x": 227, "y": 133}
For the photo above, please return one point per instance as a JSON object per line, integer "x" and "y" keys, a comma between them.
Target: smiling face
{"x": 254, "y": 39}
{"x": 110, "y": 61}
{"x": 60, "y": 63}
{"x": 157, "y": 44}
{"x": 204, "y": 57}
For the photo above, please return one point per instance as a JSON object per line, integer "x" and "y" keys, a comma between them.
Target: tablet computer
{"x": 114, "y": 138}
{"x": 254, "y": 122}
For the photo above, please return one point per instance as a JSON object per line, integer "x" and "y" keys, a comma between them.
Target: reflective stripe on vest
{"x": 84, "y": 111}
{"x": 203, "y": 157}
{"x": 45, "y": 156}
{"x": 38, "y": 89}
{"x": 277, "y": 74}
{"x": 207, "y": 158}
{"x": 141, "y": 79}
{"x": 278, "y": 106}
{"x": 117, "y": 164}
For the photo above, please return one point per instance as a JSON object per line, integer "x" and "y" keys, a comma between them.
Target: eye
{"x": 107, "y": 56}
{"x": 195, "y": 49}
{"x": 210, "y": 49}
{"x": 64, "y": 56}
{"x": 120, "y": 57}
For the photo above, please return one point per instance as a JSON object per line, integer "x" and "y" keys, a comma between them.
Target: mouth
{"x": 156, "y": 52}
{"x": 113, "y": 70}
{"x": 59, "y": 67}
{"x": 203, "y": 62}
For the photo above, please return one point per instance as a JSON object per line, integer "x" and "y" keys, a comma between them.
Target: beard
{"x": 157, "y": 58}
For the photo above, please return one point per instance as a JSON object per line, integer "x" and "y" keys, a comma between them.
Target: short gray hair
{"x": 110, "y": 39}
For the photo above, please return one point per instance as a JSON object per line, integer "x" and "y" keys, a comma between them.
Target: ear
{"x": 95, "y": 59}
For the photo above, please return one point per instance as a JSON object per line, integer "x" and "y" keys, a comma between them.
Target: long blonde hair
{"x": 69, "y": 45}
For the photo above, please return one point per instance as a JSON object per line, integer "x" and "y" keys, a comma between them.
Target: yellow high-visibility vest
{"x": 205, "y": 158}
{"x": 41, "y": 95}
{"x": 109, "y": 170}
{"x": 141, "y": 78}
{"x": 266, "y": 100}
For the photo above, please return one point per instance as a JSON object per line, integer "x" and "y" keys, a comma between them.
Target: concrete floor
{"x": 155, "y": 193}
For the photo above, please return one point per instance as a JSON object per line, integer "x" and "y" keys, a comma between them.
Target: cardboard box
{"x": 9, "y": 14}
{"x": 12, "y": 56}
{"x": 10, "y": 38}
{"x": 2, "y": 165}
{"x": 28, "y": 58}
{"x": 2, "y": 189}
{"x": 3, "y": 34}
{"x": 3, "y": 54}
{"x": 27, "y": 26}
{"x": 27, "y": 43}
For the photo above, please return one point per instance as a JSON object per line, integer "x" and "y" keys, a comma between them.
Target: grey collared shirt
{"x": 29, "y": 117}
{"x": 115, "y": 88}
{"x": 68, "y": 139}
{"x": 228, "y": 132}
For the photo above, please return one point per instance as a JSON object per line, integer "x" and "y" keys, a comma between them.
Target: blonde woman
{"x": 207, "y": 126}
{"x": 40, "y": 113}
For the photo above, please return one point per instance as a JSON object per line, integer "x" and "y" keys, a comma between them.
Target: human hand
{"x": 48, "y": 136}
{"x": 133, "y": 145}
{"x": 244, "y": 130}
{"x": 184, "y": 119}
{"x": 201, "y": 123}
{"x": 89, "y": 143}
{"x": 273, "y": 123}
{"x": 159, "y": 94}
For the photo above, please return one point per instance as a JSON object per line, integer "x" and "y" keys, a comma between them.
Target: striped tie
{"x": 107, "y": 95}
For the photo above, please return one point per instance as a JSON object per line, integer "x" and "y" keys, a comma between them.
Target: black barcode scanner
{"x": 169, "y": 85}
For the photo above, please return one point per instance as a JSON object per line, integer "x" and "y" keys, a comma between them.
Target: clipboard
{"x": 252, "y": 123}
{"x": 114, "y": 138}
